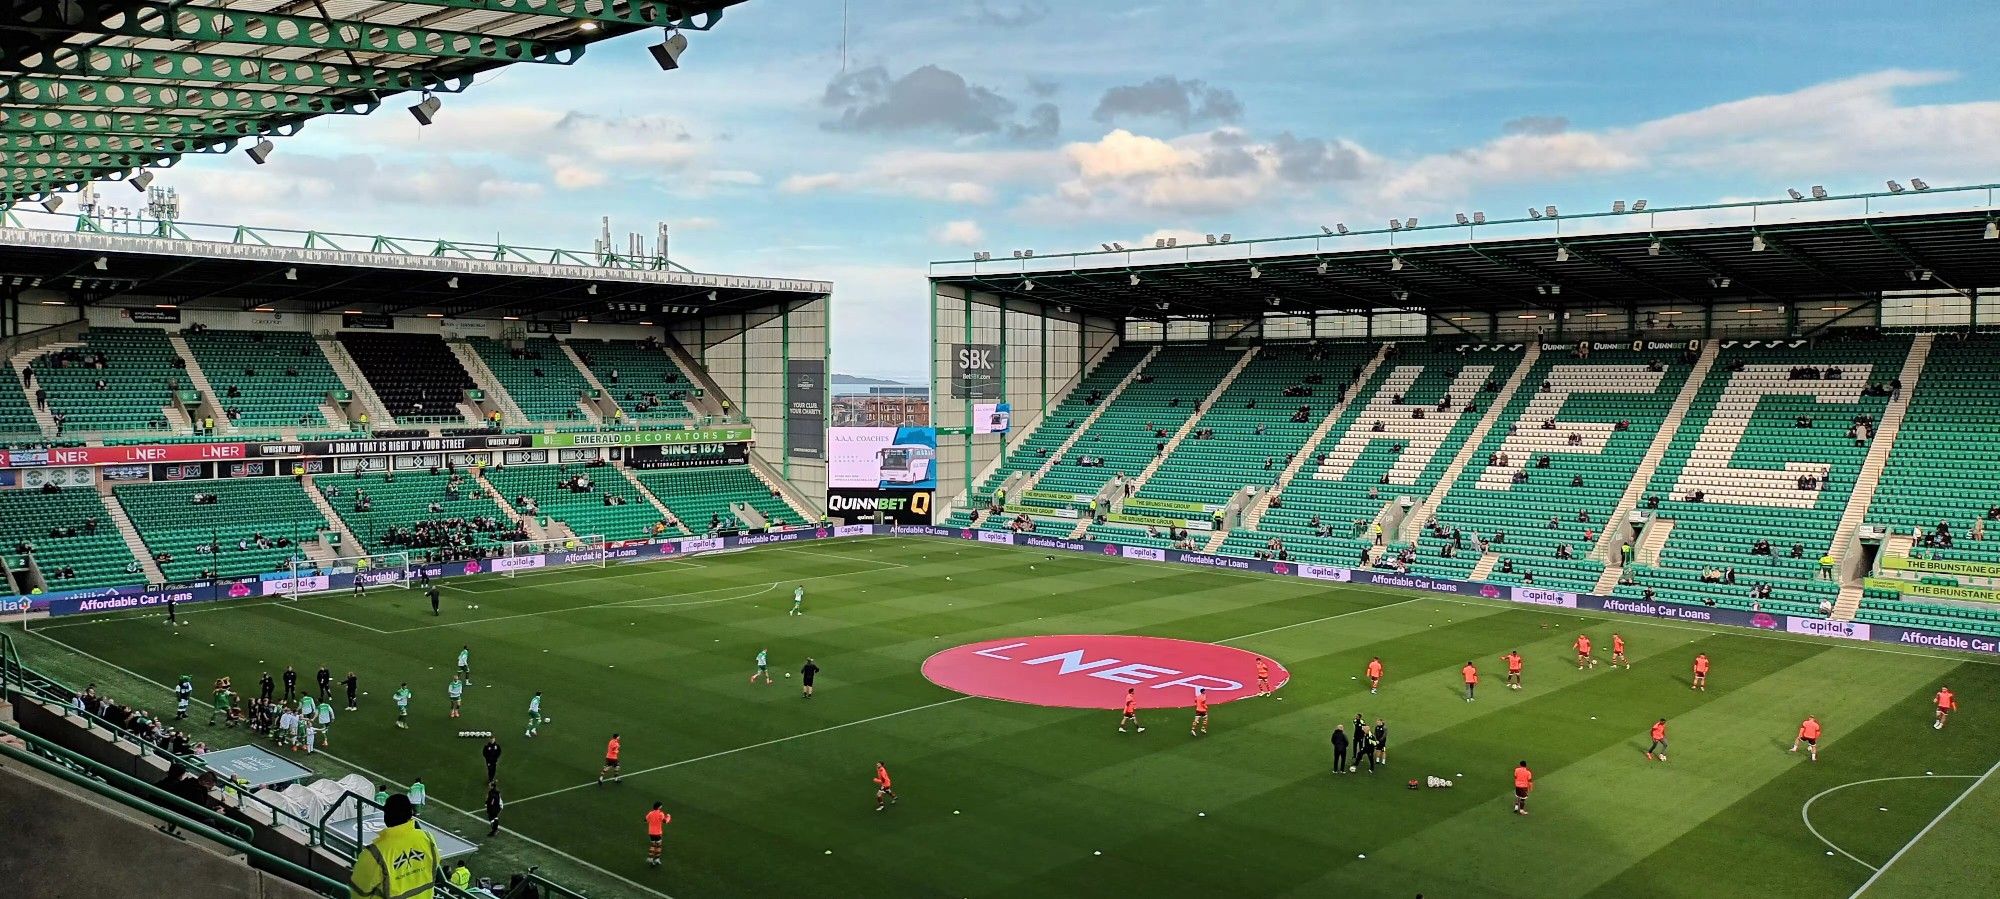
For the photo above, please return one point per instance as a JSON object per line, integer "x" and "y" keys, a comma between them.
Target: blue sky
{"x": 960, "y": 125}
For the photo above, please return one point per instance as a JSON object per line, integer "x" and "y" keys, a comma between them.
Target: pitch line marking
{"x": 956, "y": 699}
{"x": 1805, "y": 811}
{"x": 1920, "y": 834}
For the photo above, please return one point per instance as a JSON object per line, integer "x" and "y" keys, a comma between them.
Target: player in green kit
{"x": 535, "y": 718}
{"x": 798, "y": 600}
{"x": 465, "y": 664}
{"x": 402, "y": 698}
{"x": 308, "y": 718}
{"x": 763, "y": 666}
{"x": 326, "y": 723}
{"x": 457, "y": 693}
{"x": 221, "y": 706}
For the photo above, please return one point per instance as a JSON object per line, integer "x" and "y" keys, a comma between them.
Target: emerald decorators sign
{"x": 648, "y": 438}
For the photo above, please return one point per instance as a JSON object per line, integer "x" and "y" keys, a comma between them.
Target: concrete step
{"x": 1615, "y": 528}
{"x": 1879, "y": 447}
{"x": 198, "y": 379}
{"x": 115, "y": 510}
{"x": 349, "y": 545}
{"x": 673, "y": 521}
{"x": 1413, "y": 523}
{"x": 1062, "y": 451}
{"x": 1188, "y": 426}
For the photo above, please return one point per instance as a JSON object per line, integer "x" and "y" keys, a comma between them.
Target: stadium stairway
{"x": 1040, "y": 431}
{"x": 1615, "y": 531}
{"x": 115, "y": 511}
{"x": 1484, "y": 568}
{"x": 43, "y": 416}
{"x": 653, "y": 499}
{"x": 589, "y": 377}
{"x": 357, "y": 385}
{"x": 1413, "y": 523}
{"x": 785, "y": 492}
{"x": 211, "y": 401}
{"x": 334, "y": 522}
{"x": 1256, "y": 511}
{"x": 1879, "y": 447}
{"x": 1187, "y": 427}
{"x": 532, "y": 524}
{"x": 1061, "y": 452}
{"x": 489, "y": 384}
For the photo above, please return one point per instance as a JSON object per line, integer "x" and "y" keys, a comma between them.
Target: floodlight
{"x": 1638, "y": 205}
{"x": 1273, "y": 301}
{"x": 452, "y": 282}
{"x": 292, "y": 274}
{"x": 1340, "y": 227}
{"x": 1818, "y": 192}
{"x": 1395, "y": 224}
{"x": 261, "y": 152}
{"x": 141, "y": 181}
{"x": 1027, "y": 254}
{"x": 1322, "y": 265}
{"x": 1556, "y": 290}
{"x": 1255, "y": 273}
{"x": 1159, "y": 243}
{"x": 1173, "y": 241}
{"x": 51, "y": 203}
{"x": 101, "y": 263}
{"x": 1395, "y": 263}
{"x": 1106, "y": 246}
{"x": 1027, "y": 284}
{"x": 1161, "y": 305}
{"x": 1992, "y": 230}
{"x": 1617, "y": 206}
{"x": 1226, "y": 236}
{"x": 668, "y": 52}
{"x": 1549, "y": 211}
{"x": 1134, "y": 279}
{"x": 1919, "y": 184}
{"x": 1534, "y": 213}
{"x": 1211, "y": 237}
{"x": 590, "y": 289}
{"x": 1410, "y": 222}
{"x": 1461, "y": 218}
{"x": 1017, "y": 254}
{"x": 1402, "y": 296}
{"x": 1795, "y": 193}
{"x": 1479, "y": 218}
{"x": 1756, "y": 243}
{"x": 1326, "y": 230}
{"x": 425, "y": 111}
{"x": 1653, "y": 249}
{"x": 1895, "y": 188}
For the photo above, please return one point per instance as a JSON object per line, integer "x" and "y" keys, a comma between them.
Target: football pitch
{"x": 770, "y": 793}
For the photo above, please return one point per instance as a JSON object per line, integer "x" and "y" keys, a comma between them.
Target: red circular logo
{"x": 1094, "y": 671}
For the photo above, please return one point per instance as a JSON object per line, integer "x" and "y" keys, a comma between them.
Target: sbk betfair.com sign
{"x": 1094, "y": 671}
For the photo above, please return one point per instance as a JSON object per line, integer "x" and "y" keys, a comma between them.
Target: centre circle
{"x": 1094, "y": 671}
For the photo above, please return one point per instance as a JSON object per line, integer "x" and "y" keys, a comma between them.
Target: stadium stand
{"x": 1128, "y": 434}
{"x": 136, "y": 369}
{"x": 699, "y": 496}
{"x": 180, "y": 524}
{"x": 1755, "y": 482}
{"x": 408, "y": 501}
{"x": 1397, "y": 444}
{"x": 17, "y": 417}
{"x": 1592, "y": 421}
{"x": 75, "y": 544}
{"x": 579, "y": 504}
{"x": 540, "y": 377}
{"x": 1043, "y": 443}
{"x": 644, "y": 381}
{"x": 416, "y": 375}
{"x": 279, "y": 378}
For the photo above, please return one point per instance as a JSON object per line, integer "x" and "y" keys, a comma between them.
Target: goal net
{"x": 383, "y": 569}
{"x": 528, "y": 555}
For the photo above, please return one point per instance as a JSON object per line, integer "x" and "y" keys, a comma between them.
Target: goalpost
{"x": 383, "y": 569}
{"x": 591, "y": 546}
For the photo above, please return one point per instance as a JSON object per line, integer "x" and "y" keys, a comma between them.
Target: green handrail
{"x": 259, "y": 859}
{"x": 127, "y": 782}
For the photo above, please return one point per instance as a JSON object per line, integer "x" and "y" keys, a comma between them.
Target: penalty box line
{"x": 1921, "y": 833}
{"x": 919, "y": 708}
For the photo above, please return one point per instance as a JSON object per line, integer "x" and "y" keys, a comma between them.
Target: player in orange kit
{"x": 1131, "y": 711}
{"x": 1264, "y": 678}
{"x": 884, "y": 795}
{"x": 1375, "y": 674}
{"x": 1524, "y": 780}
{"x": 1700, "y": 672}
{"x": 1946, "y": 704}
{"x": 1200, "y": 721}
{"x": 656, "y": 834}
{"x": 1659, "y": 740}
{"x": 1513, "y": 660}
{"x": 1471, "y": 676}
{"x": 1583, "y": 658}
{"x": 1618, "y": 652}
{"x": 610, "y": 768}
{"x": 1809, "y": 735}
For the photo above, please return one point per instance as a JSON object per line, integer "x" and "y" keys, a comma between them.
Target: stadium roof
{"x": 94, "y": 90}
{"x": 1852, "y": 247}
{"x": 315, "y": 272}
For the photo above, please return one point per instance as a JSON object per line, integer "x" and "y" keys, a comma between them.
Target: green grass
{"x": 1009, "y": 800}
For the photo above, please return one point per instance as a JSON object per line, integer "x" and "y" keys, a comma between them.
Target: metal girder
{"x": 111, "y": 160}
{"x": 621, "y": 12}
{"x": 1531, "y": 270}
{"x": 1476, "y": 283}
{"x": 1714, "y": 269}
{"x": 216, "y": 68}
{"x": 1909, "y": 254}
{"x": 1612, "y": 265}
{"x": 30, "y": 90}
{"x": 12, "y": 176}
{"x": 1319, "y": 282}
{"x": 17, "y": 141}
{"x": 28, "y": 120}
{"x": 172, "y": 21}
{"x": 1390, "y": 281}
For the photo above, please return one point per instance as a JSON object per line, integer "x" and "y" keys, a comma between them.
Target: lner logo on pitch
{"x": 1095, "y": 671}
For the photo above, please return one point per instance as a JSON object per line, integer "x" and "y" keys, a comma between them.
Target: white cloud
{"x": 961, "y": 233}
{"x": 1122, "y": 154}
{"x": 946, "y": 176}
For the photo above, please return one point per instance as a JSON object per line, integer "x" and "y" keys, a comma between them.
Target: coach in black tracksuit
{"x": 291, "y": 684}
{"x": 492, "y": 753}
{"x": 1339, "y": 750}
{"x": 1362, "y": 750}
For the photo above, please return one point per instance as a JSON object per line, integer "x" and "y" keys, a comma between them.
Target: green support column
{"x": 965, "y": 303}
{"x": 785, "y": 343}
{"x": 1708, "y": 321}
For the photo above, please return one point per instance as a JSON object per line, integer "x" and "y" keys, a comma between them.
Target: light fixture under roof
{"x": 1133, "y": 279}
{"x": 1322, "y": 266}
{"x": 260, "y": 152}
{"x": 1028, "y": 284}
{"x": 1395, "y": 263}
{"x": 1255, "y": 273}
{"x": 1653, "y": 249}
{"x": 1410, "y": 222}
{"x": 1756, "y": 243}
{"x": 425, "y": 111}
{"x": 1992, "y": 230}
{"x": 1562, "y": 254}
{"x": 141, "y": 181}
{"x": 667, "y": 53}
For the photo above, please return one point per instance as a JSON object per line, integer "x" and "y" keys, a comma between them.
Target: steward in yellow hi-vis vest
{"x": 403, "y": 861}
